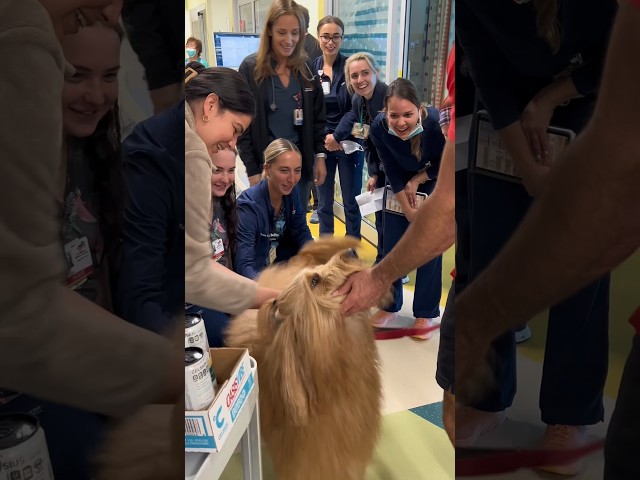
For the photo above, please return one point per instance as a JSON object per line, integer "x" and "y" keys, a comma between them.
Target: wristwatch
{"x": 321, "y": 155}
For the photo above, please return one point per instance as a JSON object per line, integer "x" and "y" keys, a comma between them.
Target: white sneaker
{"x": 382, "y": 318}
{"x": 523, "y": 334}
{"x": 472, "y": 423}
{"x": 314, "y": 218}
{"x": 405, "y": 279}
{"x": 558, "y": 437}
{"x": 423, "y": 323}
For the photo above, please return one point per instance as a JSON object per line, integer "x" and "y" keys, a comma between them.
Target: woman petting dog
{"x": 218, "y": 109}
{"x": 272, "y": 226}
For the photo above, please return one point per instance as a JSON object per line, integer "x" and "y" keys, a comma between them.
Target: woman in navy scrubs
{"x": 409, "y": 142}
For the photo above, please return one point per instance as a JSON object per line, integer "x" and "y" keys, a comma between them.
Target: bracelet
{"x": 321, "y": 155}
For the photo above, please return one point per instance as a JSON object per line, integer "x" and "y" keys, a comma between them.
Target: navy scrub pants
{"x": 576, "y": 355}
{"x": 428, "y": 289}
{"x": 350, "y": 170}
{"x": 621, "y": 460}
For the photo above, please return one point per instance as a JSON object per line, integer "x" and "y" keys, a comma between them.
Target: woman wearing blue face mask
{"x": 193, "y": 47}
{"x": 409, "y": 142}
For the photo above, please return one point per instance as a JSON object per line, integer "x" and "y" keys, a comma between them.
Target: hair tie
{"x": 192, "y": 73}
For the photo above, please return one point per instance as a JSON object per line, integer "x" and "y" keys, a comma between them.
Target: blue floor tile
{"x": 432, "y": 413}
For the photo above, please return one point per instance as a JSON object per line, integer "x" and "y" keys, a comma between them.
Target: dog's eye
{"x": 352, "y": 253}
{"x": 315, "y": 280}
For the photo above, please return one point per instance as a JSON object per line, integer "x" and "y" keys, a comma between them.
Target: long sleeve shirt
{"x": 400, "y": 165}
{"x": 54, "y": 344}
{"x": 502, "y": 43}
{"x": 257, "y": 231}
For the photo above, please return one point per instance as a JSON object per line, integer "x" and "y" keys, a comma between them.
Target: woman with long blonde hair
{"x": 289, "y": 98}
{"x": 271, "y": 221}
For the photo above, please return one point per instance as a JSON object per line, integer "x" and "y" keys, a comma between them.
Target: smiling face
{"x": 363, "y": 78}
{"x": 222, "y": 128}
{"x": 93, "y": 90}
{"x": 284, "y": 173}
{"x": 327, "y": 36}
{"x": 402, "y": 115}
{"x": 223, "y": 173}
{"x": 285, "y": 35}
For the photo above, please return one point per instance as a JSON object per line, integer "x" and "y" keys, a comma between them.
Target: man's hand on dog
{"x": 363, "y": 290}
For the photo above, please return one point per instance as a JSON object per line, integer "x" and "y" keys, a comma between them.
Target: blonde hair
{"x": 275, "y": 149}
{"x": 298, "y": 57}
{"x": 547, "y": 22}
{"x": 367, "y": 57}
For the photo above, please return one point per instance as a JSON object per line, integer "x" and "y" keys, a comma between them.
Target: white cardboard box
{"x": 207, "y": 431}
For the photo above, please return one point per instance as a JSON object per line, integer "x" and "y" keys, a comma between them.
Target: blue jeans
{"x": 215, "y": 323}
{"x": 350, "y": 171}
{"x": 73, "y": 436}
{"x": 576, "y": 354}
{"x": 426, "y": 299}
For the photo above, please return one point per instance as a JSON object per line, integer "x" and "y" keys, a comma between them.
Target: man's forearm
{"x": 433, "y": 230}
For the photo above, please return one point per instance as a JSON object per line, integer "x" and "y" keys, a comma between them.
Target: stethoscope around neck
{"x": 274, "y": 105}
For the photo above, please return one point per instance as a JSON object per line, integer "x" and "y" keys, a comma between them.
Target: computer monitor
{"x": 232, "y": 48}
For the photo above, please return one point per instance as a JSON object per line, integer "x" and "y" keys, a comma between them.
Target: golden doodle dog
{"x": 318, "y": 371}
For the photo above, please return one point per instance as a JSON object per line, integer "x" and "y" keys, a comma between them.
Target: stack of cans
{"x": 200, "y": 385}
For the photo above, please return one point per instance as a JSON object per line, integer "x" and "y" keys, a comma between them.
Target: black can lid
{"x": 191, "y": 319}
{"x": 192, "y": 355}
{"x": 16, "y": 428}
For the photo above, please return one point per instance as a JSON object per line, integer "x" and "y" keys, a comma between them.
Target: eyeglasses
{"x": 326, "y": 38}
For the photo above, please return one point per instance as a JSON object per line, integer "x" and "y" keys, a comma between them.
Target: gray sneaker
{"x": 314, "y": 218}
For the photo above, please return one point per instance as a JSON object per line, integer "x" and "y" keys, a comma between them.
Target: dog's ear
{"x": 294, "y": 384}
{"x": 320, "y": 251}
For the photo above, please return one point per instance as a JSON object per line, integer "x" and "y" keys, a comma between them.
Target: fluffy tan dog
{"x": 318, "y": 371}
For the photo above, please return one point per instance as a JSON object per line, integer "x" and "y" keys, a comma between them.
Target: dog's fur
{"x": 318, "y": 371}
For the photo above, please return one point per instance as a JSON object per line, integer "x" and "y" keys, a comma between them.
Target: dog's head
{"x": 309, "y": 336}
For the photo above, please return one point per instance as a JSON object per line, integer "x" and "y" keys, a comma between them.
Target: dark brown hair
{"x": 406, "y": 90}
{"x": 330, "y": 19}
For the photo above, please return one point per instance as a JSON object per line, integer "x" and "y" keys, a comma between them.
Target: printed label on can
{"x": 198, "y": 387}
{"x": 23, "y": 451}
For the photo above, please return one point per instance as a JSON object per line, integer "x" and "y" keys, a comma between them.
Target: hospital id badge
{"x": 79, "y": 261}
{"x": 297, "y": 117}
{"x": 272, "y": 255}
{"x": 218, "y": 248}
{"x": 360, "y": 130}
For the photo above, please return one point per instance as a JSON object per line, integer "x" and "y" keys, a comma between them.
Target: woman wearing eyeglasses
{"x": 330, "y": 67}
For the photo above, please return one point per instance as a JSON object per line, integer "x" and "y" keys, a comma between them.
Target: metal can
{"x": 23, "y": 449}
{"x": 198, "y": 386}
{"x": 195, "y": 333}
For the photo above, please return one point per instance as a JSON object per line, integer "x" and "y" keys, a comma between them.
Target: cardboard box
{"x": 207, "y": 431}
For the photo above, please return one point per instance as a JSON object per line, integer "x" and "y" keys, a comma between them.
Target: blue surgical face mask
{"x": 416, "y": 131}
{"x": 191, "y": 52}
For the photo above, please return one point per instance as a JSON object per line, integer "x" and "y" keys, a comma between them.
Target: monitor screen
{"x": 232, "y": 48}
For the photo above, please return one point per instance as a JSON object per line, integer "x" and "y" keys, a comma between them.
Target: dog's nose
{"x": 352, "y": 253}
